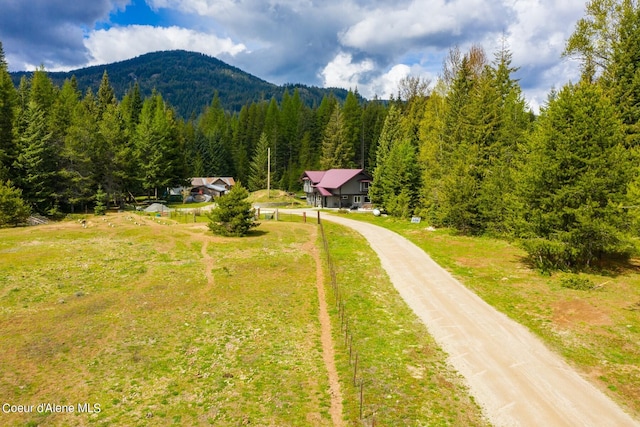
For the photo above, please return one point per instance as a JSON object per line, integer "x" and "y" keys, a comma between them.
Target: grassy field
{"x": 160, "y": 324}
{"x": 275, "y": 196}
{"x": 596, "y": 330}
{"x": 146, "y": 321}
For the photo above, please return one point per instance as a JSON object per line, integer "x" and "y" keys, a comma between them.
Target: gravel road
{"x": 514, "y": 377}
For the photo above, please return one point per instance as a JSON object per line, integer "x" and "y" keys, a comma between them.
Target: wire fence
{"x": 366, "y": 414}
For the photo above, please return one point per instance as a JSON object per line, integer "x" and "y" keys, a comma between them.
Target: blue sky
{"x": 368, "y": 44}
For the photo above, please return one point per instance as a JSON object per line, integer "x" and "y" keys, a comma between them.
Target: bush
{"x": 547, "y": 255}
{"x": 578, "y": 249}
{"x": 576, "y": 282}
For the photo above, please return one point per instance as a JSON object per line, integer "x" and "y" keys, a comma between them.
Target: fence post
{"x": 318, "y": 217}
{"x": 361, "y": 400}
{"x": 304, "y": 217}
{"x": 355, "y": 370}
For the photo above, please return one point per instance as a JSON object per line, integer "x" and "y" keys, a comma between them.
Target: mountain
{"x": 187, "y": 81}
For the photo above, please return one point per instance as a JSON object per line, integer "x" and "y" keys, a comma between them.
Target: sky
{"x": 368, "y": 45}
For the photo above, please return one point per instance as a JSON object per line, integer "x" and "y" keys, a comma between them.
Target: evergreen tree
{"x": 36, "y": 164}
{"x": 106, "y": 95}
{"x": 574, "y": 180}
{"x": 382, "y": 187}
{"x": 399, "y": 178}
{"x": 234, "y": 216}
{"x": 433, "y": 156}
{"x": 502, "y": 121}
{"x": 8, "y": 99}
{"x": 259, "y": 165}
{"x": 131, "y": 107}
{"x": 13, "y": 209}
{"x": 110, "y": 162}
{"x": 373, "y": 116}
{"x": 213, "y": 140}
{"x": 337, "y": 152}
{"x": 42, "y": 92}
{"x": 153, "y": 141}
{"x": 77, "y": 169}
{"x": 100, "y": 207}
{"x": 456, "y": 204}
{"x": 352, "y": 118}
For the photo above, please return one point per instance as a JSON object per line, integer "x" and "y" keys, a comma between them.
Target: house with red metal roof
{"x": 337, "y": 188}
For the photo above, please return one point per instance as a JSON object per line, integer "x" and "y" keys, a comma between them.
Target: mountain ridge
{"x": 186, "y": 80}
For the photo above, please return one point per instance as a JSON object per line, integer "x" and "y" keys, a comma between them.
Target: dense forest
{"x": 186, "y": 81}
{"x": 463, "y": 152}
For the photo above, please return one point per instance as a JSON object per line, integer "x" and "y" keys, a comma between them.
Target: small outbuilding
{"x": 205, "y": 189}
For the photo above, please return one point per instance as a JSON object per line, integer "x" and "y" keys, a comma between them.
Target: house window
{"x": 357, "y": 199}
{"x": 364, "y": 186}
{"x": 345, "y": 197}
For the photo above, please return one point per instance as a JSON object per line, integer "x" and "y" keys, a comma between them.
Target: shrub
{"x": 576, "y": 282}
{"x": 547, "y": 255}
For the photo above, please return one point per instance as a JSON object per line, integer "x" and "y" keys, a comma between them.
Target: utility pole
{"x": 268, "y": 172}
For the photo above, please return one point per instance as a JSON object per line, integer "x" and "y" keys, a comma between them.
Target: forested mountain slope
{"x": 187, "y": 80}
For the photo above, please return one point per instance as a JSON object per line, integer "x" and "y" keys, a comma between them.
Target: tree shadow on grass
{"x": 608, "y": 267}
{"x": 256, "y": 233}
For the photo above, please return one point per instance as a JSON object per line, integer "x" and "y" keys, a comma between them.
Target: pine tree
{"x": 77, "y": 168}
{"x": 13, "y": 209}
{"x": 36, "y": 163}
{"x": 234, "y": 216}
{"x": 400, "y": 178}
{"x": 457, "y": 184}
{"x": 373, "y": 116}
{"x": 8, "y": 99}
{"x": 259, "y": 164}
{"x": 352, "y": 118}
{"x": 391, "y": 134}
{"x": 574, "y": 181}
{"x": 337, "y": 152}
{"x": 106, "y": 95}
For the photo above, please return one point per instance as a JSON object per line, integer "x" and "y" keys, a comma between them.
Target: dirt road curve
{"x": 512, "y": 375}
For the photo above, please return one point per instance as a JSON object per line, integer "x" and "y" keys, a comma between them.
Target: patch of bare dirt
{"x": 328, "y": 352}
{"x": 566, "y": 313}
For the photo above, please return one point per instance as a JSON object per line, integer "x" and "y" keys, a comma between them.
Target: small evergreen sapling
{"x": 101, "y": 207}
{"x": 234, "y": 216}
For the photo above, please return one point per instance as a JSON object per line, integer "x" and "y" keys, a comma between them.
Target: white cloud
{"x": 425, "y": 22}
{"x": 119, "y": 43}
{"x": 343, "y": 72}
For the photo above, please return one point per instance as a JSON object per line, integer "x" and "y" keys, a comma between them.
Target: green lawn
{"x": 123, "y": 316}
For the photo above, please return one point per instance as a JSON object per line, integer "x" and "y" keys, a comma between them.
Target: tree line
{"x": 469, "y": 155}
{"x": 464, "y": 152}
{"x": 59, "y": 146}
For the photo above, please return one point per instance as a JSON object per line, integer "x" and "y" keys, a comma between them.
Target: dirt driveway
{"x": 511, "y": 374}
